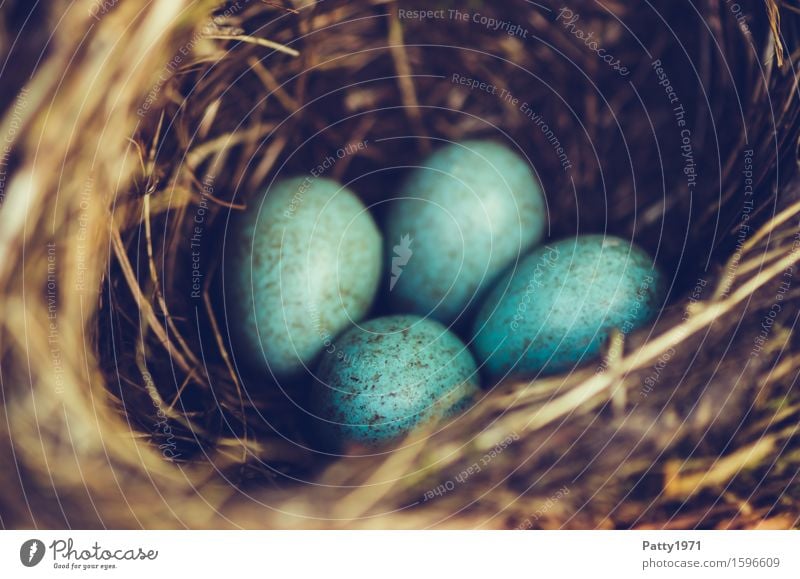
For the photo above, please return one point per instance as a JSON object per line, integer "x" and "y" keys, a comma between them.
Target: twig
{"x": 257, "y": 41}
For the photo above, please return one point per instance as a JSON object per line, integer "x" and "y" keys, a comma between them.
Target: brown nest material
{"x": 130, "y": 125}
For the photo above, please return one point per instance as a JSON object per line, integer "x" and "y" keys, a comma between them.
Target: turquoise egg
{"x": 388, "y": 376}
{"x": 302, "y": 264}
{"x": 468, "y": 211}
{"x": 559, "y": 306}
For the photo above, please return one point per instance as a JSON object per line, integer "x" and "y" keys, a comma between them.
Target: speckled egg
{"x": 559, "y": 306}
{"x": 389, "y": 375}
{"x": 302, "y": 264}
{"x": 468, "y": 211}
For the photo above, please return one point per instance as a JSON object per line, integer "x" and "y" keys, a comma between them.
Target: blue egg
{"x": 559, "y": 306}
{"x": 466, "y": 213}
{"x": 301, "y": 265}
{"x": 390, "y": 375}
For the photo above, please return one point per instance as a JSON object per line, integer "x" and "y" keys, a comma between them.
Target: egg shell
{"x": 559, "y": 306}
{"x": 468, "y": 211}
{"x": 303, "y": 263}
{"x": 390, "y": 375}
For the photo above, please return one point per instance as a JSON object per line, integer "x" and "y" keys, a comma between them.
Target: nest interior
{"x": 671, "y": 123}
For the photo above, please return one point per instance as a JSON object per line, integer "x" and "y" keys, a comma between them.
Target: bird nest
{"x": 134, "y": 132}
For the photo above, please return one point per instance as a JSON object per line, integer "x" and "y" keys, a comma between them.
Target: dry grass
{"x": 107, "y": 362}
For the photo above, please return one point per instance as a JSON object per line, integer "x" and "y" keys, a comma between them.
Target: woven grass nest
{"x": 126, "y": 125}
